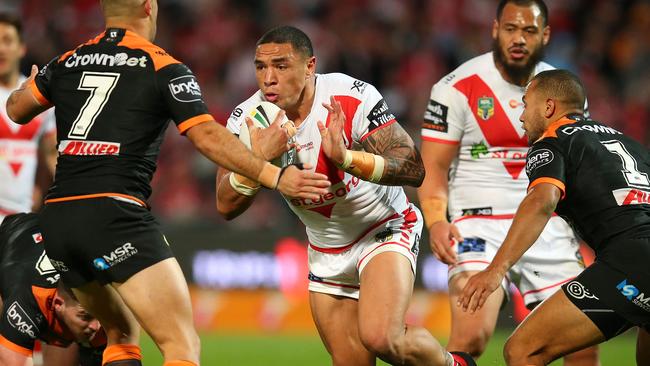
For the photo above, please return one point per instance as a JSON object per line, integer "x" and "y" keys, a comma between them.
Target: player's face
{"x": 532, "y": 116}
{"x": 282, "y": 73}
{"x": 80, "y": 325}
{"x": 11, "y": 50}
{"x": 519, "y": 39}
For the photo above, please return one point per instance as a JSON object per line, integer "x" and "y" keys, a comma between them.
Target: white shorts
{"x": 337, "y": 271}
{"x": 552, "y": 260}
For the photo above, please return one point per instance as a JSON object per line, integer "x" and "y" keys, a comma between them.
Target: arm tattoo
{"x": 403, "y": 161}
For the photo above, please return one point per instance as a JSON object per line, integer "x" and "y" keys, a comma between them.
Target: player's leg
{"x": 166, "y": 315}
{"x": 386, "y": 288}
{"x": 555, "y": 328}
{"x": 336, "y": 319}
{"x": 643, "y": 347}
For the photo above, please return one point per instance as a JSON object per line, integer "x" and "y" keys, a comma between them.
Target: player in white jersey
{"x": 20, "y": 145}
{"x": 474, "y": 150}
{"x": 363, "y": 234}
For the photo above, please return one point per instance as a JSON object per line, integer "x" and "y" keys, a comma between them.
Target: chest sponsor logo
{"x": 578, "y": 291}
{"x": 485, "y": 109}
{"x": 435, "y": 117}
{"x": 83, "y": 148}
{"x": 122, "y": 253}
{"x": 379, "y": 115}
{"x": 538, "y": 159}
{"x": 570, "y": 130}
{"x": 103, "y": 59}
{"x": 19, "y": 319}
{"x": 185, "y": 89}
{"x": 631, "y": 196}
{"x": 633, "y": 294}
{"x": 325, "y": 202}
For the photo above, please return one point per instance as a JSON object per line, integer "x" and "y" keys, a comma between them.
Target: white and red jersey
{"x": 475, "y": 108}
{"x": 354, "y": 206}
{"x": 19, "y": 156}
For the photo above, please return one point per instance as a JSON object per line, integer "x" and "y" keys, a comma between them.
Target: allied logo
{"x": 185, "y": 89}
{"x": 122, "y": 253}
{"x": 18, "y": 318}
{"x": 633, "y": 294}
{"x": 85, "y": 148}
{"x": 485, "y": 109}
{"x": 578, "y": 291}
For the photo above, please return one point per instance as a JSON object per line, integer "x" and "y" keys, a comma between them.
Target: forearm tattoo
{"x": 403, "y": 161}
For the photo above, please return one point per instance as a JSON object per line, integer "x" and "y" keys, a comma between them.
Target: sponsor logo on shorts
{"x": 185, "y": 89}
{"x": 19, "y": 319}
{"x": 313, "y": 277}
{"x": 479, "y": 211}
{"x": 415, "y": 249}
{"x": 570, "y": 130}
{"x": 435, "y": 117}
{"x": 631, "y": 196}
{"x": 476, "y": 245}
{"x": 58, "y": 265}
{"x": 87, "y": 148}
{"x": 537, "y": 159}
{"x": 384, "y": 236}
{"x": 118, "y": 59}
{"x": 633, "y": 294}
{"x": 578, "y": 291}
{"x": 122, "y": 253}
{"x": 379, "y": 115}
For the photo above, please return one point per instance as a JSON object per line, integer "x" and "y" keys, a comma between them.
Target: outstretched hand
{"x": 441, "y": 237}
{"x": 478, "y": 288}
{"x": 332, "y": 141}
{"x": 302, "y": 183}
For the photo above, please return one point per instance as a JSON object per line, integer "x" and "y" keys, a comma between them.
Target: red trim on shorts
{"x": 342, "y": 249}
{"x": 440, "y": 141}
{"x": 547, "y": 287}
{"x": 377, "y": 129}
{"x": 487, "y": 217}
{"x": 336, "y": 284}
{"x": 381, "y": 245}
{"x": 465, "y": 262}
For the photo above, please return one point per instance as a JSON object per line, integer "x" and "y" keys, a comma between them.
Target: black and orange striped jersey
{"x": 604, "y": 177}
{"x": 114, "y": 96}
{"x": 28, "y": 283}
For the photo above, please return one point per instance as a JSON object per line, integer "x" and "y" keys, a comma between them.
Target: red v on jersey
{"x": 324, "y": 165}
{"x": 492, "y": 119}
{"x": 25, "y": 132}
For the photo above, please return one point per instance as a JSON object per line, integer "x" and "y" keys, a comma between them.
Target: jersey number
{"x": 632, "y": 175}
{"x": 100, "y": 85}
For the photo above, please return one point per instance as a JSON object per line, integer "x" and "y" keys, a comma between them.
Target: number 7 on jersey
{"x": 100, "y": 85}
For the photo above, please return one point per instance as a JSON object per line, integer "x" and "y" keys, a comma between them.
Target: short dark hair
{"x": 13, "y": 20}
{"x": 563, "y": 85}
{"x": 65, "y": 292}
{"x": 540, "y": 4}
{"x": 288, "y": 34}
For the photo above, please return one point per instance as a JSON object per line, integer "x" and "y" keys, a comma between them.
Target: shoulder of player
{"x": 342, "y": 84}
{"x": 474, "y": 66}
{"x": 159, "y": 56}
{"x": 543, "y": 66}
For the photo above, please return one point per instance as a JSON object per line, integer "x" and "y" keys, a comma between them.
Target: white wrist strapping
{"x": 242, "y": 188}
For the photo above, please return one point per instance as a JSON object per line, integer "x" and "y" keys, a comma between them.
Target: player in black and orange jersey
{"x": 599, "y": 180}
{"x": 113, "y": 97}
{"x": 37, "y": 306}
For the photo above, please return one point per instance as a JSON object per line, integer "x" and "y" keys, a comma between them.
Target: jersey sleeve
{"x": 18, "y": 326}
{"x": 445, "y": 116}
{"x": 375, "y": 114}
{"x": 545, "y": 164}
{"x": 182, "y": 96}
{"x": 41, "y": 84}
{"x": 235, "y": 119}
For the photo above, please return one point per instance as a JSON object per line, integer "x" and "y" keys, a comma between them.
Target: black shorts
{"x": 613, "y": 300}
{"x": 101, "y": 239}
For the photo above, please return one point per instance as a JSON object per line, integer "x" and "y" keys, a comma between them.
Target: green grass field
{"x": 286, "y": 350}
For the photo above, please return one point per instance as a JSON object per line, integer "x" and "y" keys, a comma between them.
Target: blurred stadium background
{"x": 248, "y": 276}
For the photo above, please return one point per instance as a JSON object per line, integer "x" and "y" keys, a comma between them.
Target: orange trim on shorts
{"x": 159, "y": 56}
{"x": 119, "y": 352}
{"x": 91, "y": 41}
{"x": 38, "y": 95}
{"x": 179, "y": 363}
{"x": 552, "y": 181}
{"x": 95, "y": 195}
{"x": 440, "y": 141}
{"x": 196, "y": 120}
{"x": 14, "y": 347}
{"x": 551, "y": 130}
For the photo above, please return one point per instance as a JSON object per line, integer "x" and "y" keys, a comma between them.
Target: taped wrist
{"x": 269, "y": 176}
{"x": 434, "y": 210}
{"x": 243, "y": 185}
{"x": 364, "y": 165}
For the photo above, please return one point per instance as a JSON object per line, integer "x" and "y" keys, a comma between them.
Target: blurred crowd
{"x": 400, "y": 46}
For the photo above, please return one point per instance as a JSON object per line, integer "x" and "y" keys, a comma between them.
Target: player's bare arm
{"x": 403, "y": 163}
{"x": 433, "y": 195}
{"x": 12, "y": 358}
{"x": 22, "y": 105}
{"x": 529, "y": 222}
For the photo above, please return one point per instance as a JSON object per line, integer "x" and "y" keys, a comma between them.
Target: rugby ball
{"x": 263, "y": 114}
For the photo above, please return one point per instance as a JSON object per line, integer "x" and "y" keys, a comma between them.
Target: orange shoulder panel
{"x": 551, "y": 130}
{"x": 159, "y": 56}
{"x": 91, "y": 41}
